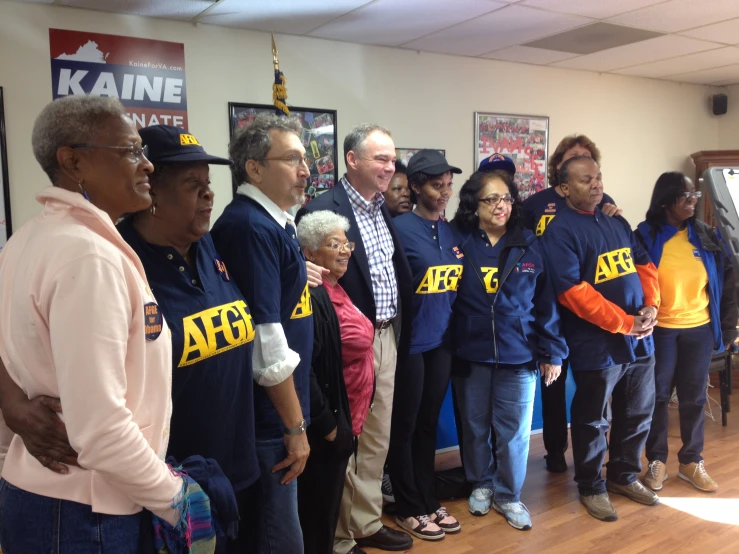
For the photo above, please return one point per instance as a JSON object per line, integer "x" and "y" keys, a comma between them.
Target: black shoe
{"x": 556, "y": 462}
{"x": 357, "y": 550}
{"x": 387, "y": 539}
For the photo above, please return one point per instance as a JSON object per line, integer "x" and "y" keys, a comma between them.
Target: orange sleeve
{"x": 649, "y": 284}
{"x": 587, "y": 303}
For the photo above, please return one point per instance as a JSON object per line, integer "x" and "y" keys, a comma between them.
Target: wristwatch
{"x": 299, "y": 430}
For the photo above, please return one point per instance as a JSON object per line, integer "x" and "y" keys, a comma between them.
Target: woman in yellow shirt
{"x": 697, "y": 317}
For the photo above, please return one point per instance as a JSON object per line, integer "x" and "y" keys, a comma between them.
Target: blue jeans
{"x": 631, "y": 389}
{"x": 271, "y": 524}
{"x": 503, "y": 398}
{"x": 681, "y": 358}
{"x": 31, "y": 523}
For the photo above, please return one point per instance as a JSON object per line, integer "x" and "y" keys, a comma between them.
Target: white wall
{"x": 643, "y": 127}
{"x": 729, "y": 123}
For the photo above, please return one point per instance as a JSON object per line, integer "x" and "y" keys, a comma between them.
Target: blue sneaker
{"x": 516, "y": 513}
{"x": 479, "y": 502}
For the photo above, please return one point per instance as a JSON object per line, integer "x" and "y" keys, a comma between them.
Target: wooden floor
{"x": 686, "y": 520}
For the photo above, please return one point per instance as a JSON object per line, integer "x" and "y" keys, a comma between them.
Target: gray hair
{"x": 253, "y": 141}
{"x": 70, "y": 120}
{"x": 358, "y": 136}
{"x": 314, "y": 227}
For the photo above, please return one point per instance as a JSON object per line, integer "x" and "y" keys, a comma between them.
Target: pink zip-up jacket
{"x": 73, "y": 325}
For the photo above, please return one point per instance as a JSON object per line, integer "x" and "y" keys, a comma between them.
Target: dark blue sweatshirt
{"x": 597, "y": 259}
{"x": 506, "y": 311}
{"x": 432, "y": 248}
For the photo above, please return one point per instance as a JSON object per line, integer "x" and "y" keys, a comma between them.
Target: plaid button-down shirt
{"x": 378, "y": 243}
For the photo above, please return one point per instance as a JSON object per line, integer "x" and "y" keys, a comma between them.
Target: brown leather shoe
{"x": 655, "y": 475}
{"x": 696, "y": 475}
{"x": 387, "y": 539}
{"x": 599, "y": 506}
{"x": 634, "y": 491}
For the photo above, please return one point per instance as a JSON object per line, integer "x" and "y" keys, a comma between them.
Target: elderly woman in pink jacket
{"x": 79, "y": 323}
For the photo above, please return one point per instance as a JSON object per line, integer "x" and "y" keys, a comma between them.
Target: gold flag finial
{"x": 274, "y": 54}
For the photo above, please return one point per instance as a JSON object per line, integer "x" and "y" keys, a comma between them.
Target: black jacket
{"x": 329, "y": 402}
{"x": 357, "y": 281}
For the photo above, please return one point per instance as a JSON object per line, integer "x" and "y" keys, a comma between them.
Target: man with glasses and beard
{"x": 258, "y": 242}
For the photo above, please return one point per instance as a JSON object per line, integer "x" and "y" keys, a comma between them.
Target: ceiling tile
{"x": 168, "y": 9}
{"x": 295, "y": 17}
{"x": 598, "y": 9}
{"x": 592, "y": 38}
{"x": 390, "y": 22}
{"x": 684, "y": 64}
{"x": 727, "y": 82}
{"x": 709, "y": 76}
{"x": 526, "y": 54}
{"x": 726, "y": 32}
{"x": 660, "y": 48}
{"x": 679, "y": 15}
{"x": 505, "y": 27}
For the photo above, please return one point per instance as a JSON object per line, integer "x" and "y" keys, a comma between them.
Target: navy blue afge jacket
{"x": 506, "y": 311}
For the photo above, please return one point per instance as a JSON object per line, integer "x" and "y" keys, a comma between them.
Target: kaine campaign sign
{"x": 147, "y": 75}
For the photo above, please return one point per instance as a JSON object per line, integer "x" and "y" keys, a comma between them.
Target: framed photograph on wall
{"x": 405, "y": 154}
{"x": 523, "y": 138}
{"x": 319, "y": 140}
{"x": 5, "y": 225}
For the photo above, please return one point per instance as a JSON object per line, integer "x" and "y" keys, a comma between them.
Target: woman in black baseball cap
{"x": 212, "y": 330}
{"x": 431, "y": 245}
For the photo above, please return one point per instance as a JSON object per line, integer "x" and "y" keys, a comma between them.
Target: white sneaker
{"x": 479, "y": 502}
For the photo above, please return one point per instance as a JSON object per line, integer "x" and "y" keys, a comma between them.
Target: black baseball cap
{"x": 430, "y": 162}
{"x": 499, "y": 162}
{"x": 168, "y": 144}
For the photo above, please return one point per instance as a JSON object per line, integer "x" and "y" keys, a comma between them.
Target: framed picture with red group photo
{"x": 523, "y": 138}
{"x": 319, "y": 140}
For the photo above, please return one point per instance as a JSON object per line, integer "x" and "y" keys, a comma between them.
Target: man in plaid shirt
{"x": 378, "y": 280}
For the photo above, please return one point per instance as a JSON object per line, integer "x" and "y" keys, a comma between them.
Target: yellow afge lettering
{"x": 229, "y": 322}
{"x": 186, "y": 140}
{"x": 440, "y": 278}
{"x": 490, "y": 276}
{"x": 542, "y": 225}
{"x": 614, "y": 264}
{"x": 304, "y": 308}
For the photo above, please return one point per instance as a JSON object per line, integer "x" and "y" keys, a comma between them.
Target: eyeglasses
{"x": 336, "y": 246}
{"x": 291, "y": 160}
{"x": 687, "y": 194}
{"x": 496, "y": 199}
{"x": 136, "y": 150}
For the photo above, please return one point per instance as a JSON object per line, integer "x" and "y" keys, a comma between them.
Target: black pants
{"x": 554, "y": 412}
{"x": 420, "y": 388}
{"x": 682, "y": 357}
{"x": 320, "y": 487}
{"x": 631, "y": 388}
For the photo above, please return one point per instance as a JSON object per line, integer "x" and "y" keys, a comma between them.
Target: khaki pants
{"x": 361, "y": 503}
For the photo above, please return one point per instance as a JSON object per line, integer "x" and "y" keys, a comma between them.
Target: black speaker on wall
{"x": 719, "y": 104}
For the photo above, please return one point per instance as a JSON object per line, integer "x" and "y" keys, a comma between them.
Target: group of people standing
{"x": 166, "y": 387}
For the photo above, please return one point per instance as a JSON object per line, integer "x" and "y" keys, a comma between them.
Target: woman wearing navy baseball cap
{"x": 431, "y": 246}
{"x": 212, "y": 329}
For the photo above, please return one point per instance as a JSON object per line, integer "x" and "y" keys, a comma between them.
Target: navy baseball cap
{"x": 168, "y": 144}
{"x": 498, "y": 161}
{"x": 431, "y": 162}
